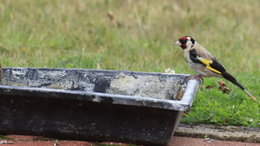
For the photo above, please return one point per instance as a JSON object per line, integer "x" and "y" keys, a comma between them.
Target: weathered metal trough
{"x": 96, "y": 105}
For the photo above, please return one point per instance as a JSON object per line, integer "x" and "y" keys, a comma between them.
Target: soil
{"x": 19, "y": 140}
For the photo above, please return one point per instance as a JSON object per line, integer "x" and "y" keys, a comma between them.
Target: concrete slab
{"x": 206, "y": 135}
{"x": 232, "y": 133}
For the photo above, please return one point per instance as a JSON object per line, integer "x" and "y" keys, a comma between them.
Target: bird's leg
{"x": 201, "y": 78}
{"x": 197, "y": 77}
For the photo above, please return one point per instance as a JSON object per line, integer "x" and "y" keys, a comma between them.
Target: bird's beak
{"x": 177, "y": 43}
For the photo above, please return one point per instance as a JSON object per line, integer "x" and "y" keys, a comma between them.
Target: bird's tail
{"x": 234, "y": 81}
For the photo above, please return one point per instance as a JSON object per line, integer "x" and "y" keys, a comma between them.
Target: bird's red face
{"x": 182, "y": 42}
{"x": 185, "y": 42}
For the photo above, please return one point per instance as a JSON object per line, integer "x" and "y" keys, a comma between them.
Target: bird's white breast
{"x": 186, "y": 55}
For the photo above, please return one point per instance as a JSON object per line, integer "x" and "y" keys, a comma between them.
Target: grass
{"x": 139, "y": 35}
{"x": 2, "y": 137}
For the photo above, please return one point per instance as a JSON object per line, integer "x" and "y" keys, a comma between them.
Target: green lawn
{"x": 139, "y": 36}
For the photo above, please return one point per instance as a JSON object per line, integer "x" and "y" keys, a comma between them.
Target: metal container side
{"x": 82, "y": 115}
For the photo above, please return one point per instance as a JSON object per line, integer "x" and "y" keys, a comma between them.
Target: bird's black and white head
{"x": 185, "y": 42}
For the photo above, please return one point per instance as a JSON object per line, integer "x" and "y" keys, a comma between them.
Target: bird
{"x": 204, "y": 63}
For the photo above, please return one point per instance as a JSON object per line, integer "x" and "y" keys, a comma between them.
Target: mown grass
{"x": 139, "y": 35}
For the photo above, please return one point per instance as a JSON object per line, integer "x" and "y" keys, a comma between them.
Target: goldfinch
{"x": 201, "y": 61}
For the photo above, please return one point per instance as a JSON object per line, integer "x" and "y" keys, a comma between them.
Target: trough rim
{"x": 178, "y": 105}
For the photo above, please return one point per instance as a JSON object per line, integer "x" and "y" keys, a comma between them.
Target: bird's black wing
{"x": 216, "y": 65}
{"x": 193, "y": 56}
{"x": 213, "y": 65}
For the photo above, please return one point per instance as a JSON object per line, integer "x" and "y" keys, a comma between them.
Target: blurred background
{"x": 138, "y": 36}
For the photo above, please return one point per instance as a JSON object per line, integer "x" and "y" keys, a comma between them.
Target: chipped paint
{"x": 116, "y": 87}
{"x": 121, "y": 83}
{"x": 145, "y": 86}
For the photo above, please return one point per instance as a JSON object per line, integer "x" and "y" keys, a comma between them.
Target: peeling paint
{"x": 145, "y": 86}
{"x": 121, "y": 83}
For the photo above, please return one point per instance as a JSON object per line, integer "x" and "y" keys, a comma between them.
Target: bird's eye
{"x": 183, "y": 41}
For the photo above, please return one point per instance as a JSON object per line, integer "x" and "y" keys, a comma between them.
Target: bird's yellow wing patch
{"x": 204, "y": 61}
{"x": 212, "y": 69}
{"x": 207, "y": 63}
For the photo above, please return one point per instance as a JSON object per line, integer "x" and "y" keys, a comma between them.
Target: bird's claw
{"x": 196, "y": 77}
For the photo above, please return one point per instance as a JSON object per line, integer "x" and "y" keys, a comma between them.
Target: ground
{"x": 139, "y": 36}
{"x": 175, "y": 141}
